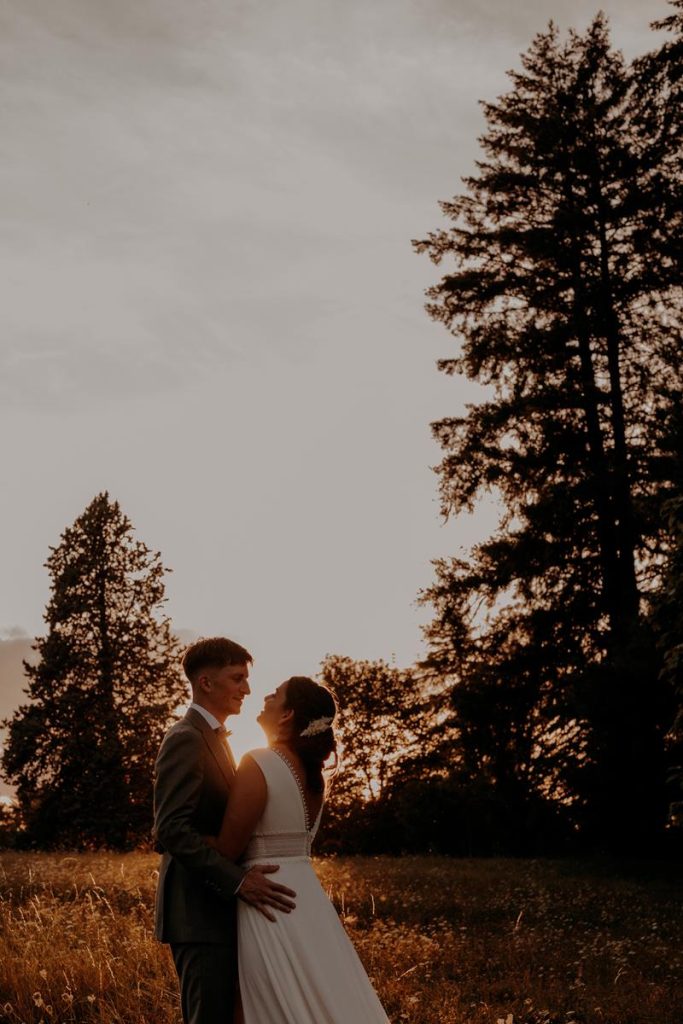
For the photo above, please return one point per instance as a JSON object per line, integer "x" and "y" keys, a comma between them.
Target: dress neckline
{"x": 295, "y": 775}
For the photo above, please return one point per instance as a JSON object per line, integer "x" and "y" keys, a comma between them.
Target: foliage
{"x": 10, "y": 825}
{"x": 380, "y": 724}
{"x": 388, "y": 727}
{"x": 469, "y": 816}
{"x": 659, "y": 91}
{"x": 667, "y": 617}
{"x": 657, "y": 109}
{"x": 81, "y": 751}
{"x": 444, "y": 941}
{"x": 566, "y": 306}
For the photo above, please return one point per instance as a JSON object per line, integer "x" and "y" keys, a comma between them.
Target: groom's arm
{"x": 179, "y": 776}
{"x": 245, "y": 807}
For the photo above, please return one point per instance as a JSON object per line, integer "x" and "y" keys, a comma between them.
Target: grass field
{"x": 445, "y": 941}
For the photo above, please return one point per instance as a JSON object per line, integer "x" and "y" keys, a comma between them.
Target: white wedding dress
{"x": 301, "y": 968}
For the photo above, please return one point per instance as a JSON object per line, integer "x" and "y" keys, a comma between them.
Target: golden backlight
{"x": 245, "y": 732}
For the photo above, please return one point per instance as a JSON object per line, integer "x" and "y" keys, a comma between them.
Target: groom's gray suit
{"x": 196, "y": 904}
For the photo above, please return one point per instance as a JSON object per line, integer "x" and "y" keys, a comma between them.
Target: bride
{"x": 296, "y": 968}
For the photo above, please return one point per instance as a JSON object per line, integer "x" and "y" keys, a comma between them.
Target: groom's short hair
{"x": 213, "y": 652}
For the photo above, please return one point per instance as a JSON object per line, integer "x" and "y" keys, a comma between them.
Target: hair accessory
{"x": 316, "y": 726}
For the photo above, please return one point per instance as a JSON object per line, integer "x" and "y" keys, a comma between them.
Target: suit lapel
{"x": 214, "y": 743}
{"x": 218, "y": 750}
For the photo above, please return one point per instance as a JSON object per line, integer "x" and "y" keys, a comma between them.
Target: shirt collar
{"x": 206, "y": 715}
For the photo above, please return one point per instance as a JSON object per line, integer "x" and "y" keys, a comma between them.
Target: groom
{"x": 196, "y": 905}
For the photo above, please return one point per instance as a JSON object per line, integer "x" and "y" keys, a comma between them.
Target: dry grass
{"x": 445, "y": 941}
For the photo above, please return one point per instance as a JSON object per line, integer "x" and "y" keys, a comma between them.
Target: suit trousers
{"x": 208, "y": 980}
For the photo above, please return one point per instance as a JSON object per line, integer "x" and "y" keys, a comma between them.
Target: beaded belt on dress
{"x": 279, "y": 844}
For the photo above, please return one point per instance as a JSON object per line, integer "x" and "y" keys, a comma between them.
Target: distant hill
{"x": 13, "y": 650}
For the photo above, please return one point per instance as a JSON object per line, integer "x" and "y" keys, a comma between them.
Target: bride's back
{"x": 283, "y": 829}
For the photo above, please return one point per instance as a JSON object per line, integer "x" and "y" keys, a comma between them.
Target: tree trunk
{"x": 623, "y": 512}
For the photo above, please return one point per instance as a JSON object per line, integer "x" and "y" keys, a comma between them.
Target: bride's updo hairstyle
{"x": 313, "y": 738}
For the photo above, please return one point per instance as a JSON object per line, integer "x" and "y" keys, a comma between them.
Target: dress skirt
{"x": 302, "y": 967}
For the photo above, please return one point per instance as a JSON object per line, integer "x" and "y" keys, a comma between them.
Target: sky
{"x": 212, "y": 310}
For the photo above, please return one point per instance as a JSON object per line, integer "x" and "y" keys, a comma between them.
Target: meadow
{"x": 445, "y": 941}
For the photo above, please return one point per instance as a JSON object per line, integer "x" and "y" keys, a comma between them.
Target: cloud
{"x": 211, "y": 306}
{"x": 12, "y": 633}
{"x": 186, "y": 185}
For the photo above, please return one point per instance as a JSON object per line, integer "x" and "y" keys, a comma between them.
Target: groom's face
{"x": 225, "y": 688}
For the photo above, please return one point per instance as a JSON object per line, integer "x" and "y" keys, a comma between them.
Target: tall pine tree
{"x": 81, "y": 751}
{"x": 565, "y": 309}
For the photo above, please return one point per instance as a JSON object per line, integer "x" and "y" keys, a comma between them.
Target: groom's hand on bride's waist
{"x": 258, "y": 890}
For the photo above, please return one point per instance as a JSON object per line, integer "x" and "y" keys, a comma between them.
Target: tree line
{"x": 546, "y": 714}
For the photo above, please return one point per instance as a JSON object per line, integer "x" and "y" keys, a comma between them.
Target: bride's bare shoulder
{"x": 257, "y": 753}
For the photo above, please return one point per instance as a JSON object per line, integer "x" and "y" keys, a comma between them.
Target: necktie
{"x": 223, "y": 734}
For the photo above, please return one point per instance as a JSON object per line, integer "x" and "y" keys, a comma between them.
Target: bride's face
{"x": 274, "y": 715}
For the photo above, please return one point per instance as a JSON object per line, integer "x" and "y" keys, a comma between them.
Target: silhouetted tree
{"x": 380, "y": 722}
{"x": 667, "y": 616}
{"x": 569, "y": 318}
{"x": 387, "y": 723}
{"x": 81, "y": 751}
{"x": 657, "y": 112}
{"x": 10, "y": 825}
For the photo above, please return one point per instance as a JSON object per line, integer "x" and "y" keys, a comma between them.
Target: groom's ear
{"x": 201, "y": 683}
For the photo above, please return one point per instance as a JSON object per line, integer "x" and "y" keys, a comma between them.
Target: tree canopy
{"x": 81, "y": 750}
{"x": 565, "y": 302}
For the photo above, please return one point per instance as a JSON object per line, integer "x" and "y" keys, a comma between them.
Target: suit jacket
{"x": 196, "y": 890}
